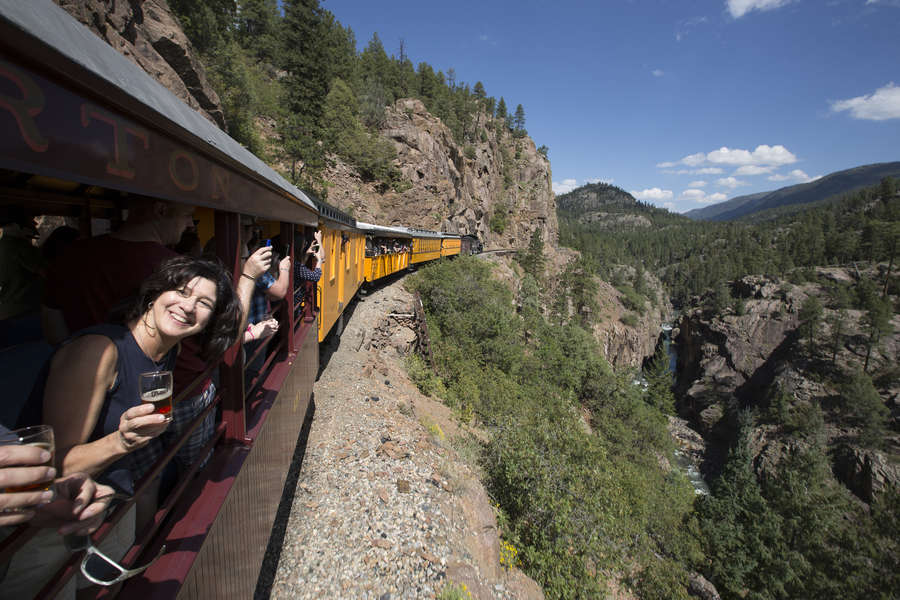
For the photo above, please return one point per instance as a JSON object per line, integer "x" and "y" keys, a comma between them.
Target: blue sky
{"x": 681, "y": 102}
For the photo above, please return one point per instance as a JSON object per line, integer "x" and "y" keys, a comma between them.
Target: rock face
{"x": 148, "y": 34}
{"x": 752, "y": 359}
{"x": 455, "y": 188}
{"x": 626, "y": 345}
{"x": 865, "y": 472}
{"x": 719, "y": 354}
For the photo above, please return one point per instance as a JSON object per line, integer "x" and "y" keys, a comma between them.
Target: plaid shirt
{"x": 303, "y": 273}
{"x": 183, "y": 413}
{"x": 259, "y": 302}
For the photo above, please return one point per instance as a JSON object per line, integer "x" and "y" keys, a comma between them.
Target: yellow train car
{"x": 426, "y": 245}
{"x": 450, "y": 244}
{"x": 388, "y": 250}
{"x": 343, "y": 269}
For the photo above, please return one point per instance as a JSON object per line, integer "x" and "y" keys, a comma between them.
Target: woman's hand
{"x": 138, "y": 425}
{"x": 258, "y": 263}
{"x": 16, "y": 470}
{"x": 264, "y": 329}
{"x": 285, "y": 264}
{"x": 261, "y": 330}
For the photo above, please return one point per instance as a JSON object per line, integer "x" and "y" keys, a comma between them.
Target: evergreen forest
{"x": 293, "y": 65}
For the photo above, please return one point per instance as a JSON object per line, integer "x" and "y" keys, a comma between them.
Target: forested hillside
{"x": 787, "y": 353}
{"x": 692, "y": 258}
{"x": 796, "y": 197}
{"x": 302, "y": 70}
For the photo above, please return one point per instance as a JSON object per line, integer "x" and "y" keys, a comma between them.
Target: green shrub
{"x": 427, "y": 382}
{"x": 629, "y": 319}
{"x": 499, "y": 218}
{"x": 631, "y": 300}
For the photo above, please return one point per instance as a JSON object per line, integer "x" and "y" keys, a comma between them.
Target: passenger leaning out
{"x": 309, "y": 268}
{"x": 90, "y": 390}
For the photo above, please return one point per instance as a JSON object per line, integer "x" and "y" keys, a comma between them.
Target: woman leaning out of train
{"x": 89, "y": 392}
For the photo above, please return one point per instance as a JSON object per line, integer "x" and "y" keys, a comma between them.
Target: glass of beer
{"x": 156, "y": 389}
{"x": 40, "y": 436}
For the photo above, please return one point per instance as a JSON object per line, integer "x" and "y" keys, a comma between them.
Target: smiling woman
{"x": 90, "y": 394}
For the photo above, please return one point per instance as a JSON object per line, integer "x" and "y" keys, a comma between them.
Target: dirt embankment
{"x": 385, "y": 506}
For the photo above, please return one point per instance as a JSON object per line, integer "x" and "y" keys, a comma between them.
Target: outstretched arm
{"x": 80, "y": 375}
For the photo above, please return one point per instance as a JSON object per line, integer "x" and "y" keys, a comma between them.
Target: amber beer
{"x": 156, "y": 389}
{"x": 40, "y": 436}
{"x": 161, "y": 399}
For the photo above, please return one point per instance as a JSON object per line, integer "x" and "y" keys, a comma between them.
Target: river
{"x": 682, "y": 459}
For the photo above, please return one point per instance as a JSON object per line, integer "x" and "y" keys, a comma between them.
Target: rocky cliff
{"x": 749, "y": 360}
{"x": 454, "y": 188}
{"x": 627, "y": 345}
{"x": 147, "y": 33}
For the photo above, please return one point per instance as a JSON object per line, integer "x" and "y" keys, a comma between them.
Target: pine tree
{"x": 810, "y": 317}
{"x": 501, "y": 115}
{"x": 306, "y": 86}
{"x": 257, "y": 29}
{"x": 519, "y": 121}
{"x": 533, "y": 260}
{"x": 659, "y": 381}
{"x": 877, "y": 322}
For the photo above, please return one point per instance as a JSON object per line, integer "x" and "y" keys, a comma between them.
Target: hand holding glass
{"x": 156, "y": 389}
{"x": 39, "y": 436}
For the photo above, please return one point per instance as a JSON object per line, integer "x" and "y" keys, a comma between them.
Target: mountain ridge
{"x": 828, "y": 186}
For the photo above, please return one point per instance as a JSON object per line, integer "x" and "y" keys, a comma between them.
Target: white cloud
{"x": 697, "y": 184}
{"x": 694, "y": 160}
{"x": 761, "y": 160}
{"x": 657, "y": 72}
{"x": 703, "y": 171}
{"x": 606, "y": 180}
{"x": 881, "y": 105}
{"x": 685, "y": 26}
{"x": 796, "y": 175}
{"x": 653, "y": 194}
{"x": 701, "y": 197}
{"x": 753, "y": 170}
{"x": 764, "y": 155}
{"x": 565, "y": 186}
{"x": 738, "y": 8}
{"x": 691, "y": 194}
{"x": 730, "y": 182}
{"x": 669, "y": 206}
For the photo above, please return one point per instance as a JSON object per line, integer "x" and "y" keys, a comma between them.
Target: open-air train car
{"x": 387, "y": 250}
{"x": 84, "y": 129}
{"x": 342, "y": 272}
{"x": 426, "y": 245}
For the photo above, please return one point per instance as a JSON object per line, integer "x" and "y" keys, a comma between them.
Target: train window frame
{"x": 333, "y": 259}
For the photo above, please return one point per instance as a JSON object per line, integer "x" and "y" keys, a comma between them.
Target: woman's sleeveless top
{"x": 123, "y": 395}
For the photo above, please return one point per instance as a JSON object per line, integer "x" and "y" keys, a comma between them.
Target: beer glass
{"x": 38, "y": 435}
{"x": 156, "y": 389}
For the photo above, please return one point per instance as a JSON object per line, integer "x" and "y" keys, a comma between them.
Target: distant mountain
{"x": 595, "y": 197}
{"x": 834, "y": 184}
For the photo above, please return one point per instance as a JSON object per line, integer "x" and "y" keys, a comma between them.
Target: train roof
{"x": 81, "y": 64}
{"x": 384, "y": 230}
{"x": 331, "y": 213}
{"x": 422, "y": 233}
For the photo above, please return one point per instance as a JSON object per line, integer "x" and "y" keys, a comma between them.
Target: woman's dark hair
{"x": 222, "y": 329}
